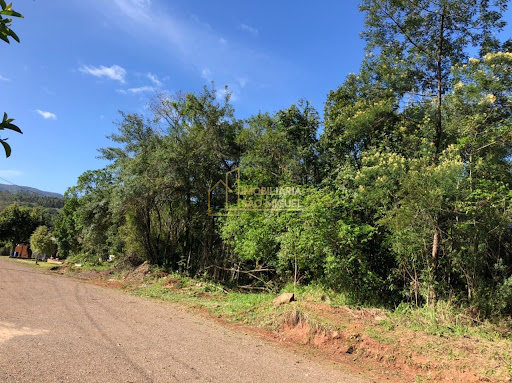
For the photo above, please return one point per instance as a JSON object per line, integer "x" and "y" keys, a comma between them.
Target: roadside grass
{"x": 317, "y": 293}
{"x": 249, "y": 308}
{"x": 246, "y": 308}
{"x": 32, "y": 263}
{"x": 442, "y": 320}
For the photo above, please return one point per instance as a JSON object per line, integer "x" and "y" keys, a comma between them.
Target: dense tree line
{"x": 406, "y": 191}
{"x": 30, "y": 200}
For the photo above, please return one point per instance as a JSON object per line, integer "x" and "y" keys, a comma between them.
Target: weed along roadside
{"x": 431, "y": 344}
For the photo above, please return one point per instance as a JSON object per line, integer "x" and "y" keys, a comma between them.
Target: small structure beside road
{"x": 22, "y": 251}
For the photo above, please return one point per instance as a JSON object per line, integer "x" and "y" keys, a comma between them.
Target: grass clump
{"x": 316, "y": 292}
{"x": 444, "y": 319}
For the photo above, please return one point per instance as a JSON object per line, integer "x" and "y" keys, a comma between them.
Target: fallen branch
{"x": 250, "y": 273}
{"x": 248, "y": 287}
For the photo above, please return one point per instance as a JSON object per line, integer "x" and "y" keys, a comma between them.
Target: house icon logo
{"x": 224, "y": 196}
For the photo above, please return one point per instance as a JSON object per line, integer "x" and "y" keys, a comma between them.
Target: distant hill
{"x": 27, "y": 190}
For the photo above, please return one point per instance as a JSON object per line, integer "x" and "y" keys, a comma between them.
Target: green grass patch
{"x": 317, "y": 293}
{"x": 444, "y": 319}
{"x": 249, "y": 308}
{"x": 32, "y": 263}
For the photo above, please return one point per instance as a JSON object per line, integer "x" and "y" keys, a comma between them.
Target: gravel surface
{"x": 55, "y": 329}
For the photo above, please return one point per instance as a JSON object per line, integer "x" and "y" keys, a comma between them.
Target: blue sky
{"x": 79, "y": 62}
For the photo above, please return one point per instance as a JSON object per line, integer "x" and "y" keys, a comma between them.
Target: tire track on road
{"x": 133, "y": 330}
{"x": 113, "y": 346}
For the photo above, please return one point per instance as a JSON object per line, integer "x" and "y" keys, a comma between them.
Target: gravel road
{"x": 55, "y": 329}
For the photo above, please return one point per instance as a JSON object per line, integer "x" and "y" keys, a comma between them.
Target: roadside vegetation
{"x": 405, "y": 187}
{"x": 18, "y": 223}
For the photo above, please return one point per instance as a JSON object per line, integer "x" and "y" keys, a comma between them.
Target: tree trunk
{"x": 437, "y": 144}
{"x": 439, "y": 79}
{"x": 434, "y": 259}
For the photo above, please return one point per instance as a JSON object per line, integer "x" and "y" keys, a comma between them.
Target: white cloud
{"x": 2, "y": 78}
{"x": 10, "y": 173}
{"x": 135, "y": 8}
{"x": 195, "y": 45}
{"x": 247, "y": 28}
{"x": 206, "y": 73}
{"x": 154, "y": 79}
{"x": 242, "y": 81}
{"x": 141, "y": 89}
{"x": 220, "y": 94}
{"x": 46, "y": 115}
{"x": 115, "y": 72}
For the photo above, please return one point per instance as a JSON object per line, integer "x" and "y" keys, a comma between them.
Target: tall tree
{"x": 42, "y": 243}
{"x": 67, "y": 227}
{"x": 164, "y": 168}
{"x": 431, "y": 37}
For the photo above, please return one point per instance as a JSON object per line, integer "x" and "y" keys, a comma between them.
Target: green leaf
{"x": 11, "y": 13}
{"x": 7, "y": 124}
{"x": 14, "y": 35}
{"x": 14, "y": 128}
{"x": 7, "y": 148}
{"x": 3, "y": 36}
